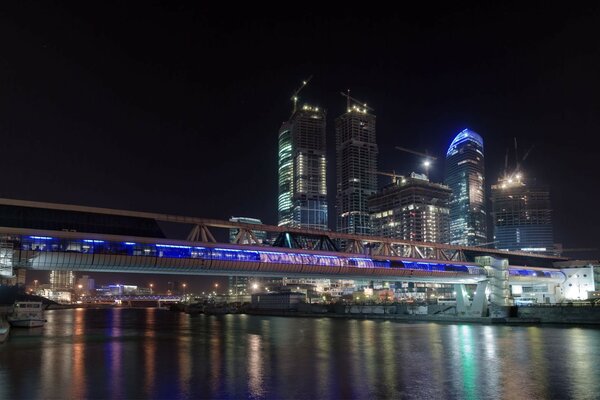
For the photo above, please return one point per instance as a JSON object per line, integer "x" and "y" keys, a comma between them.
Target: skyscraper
{"x": 412, "y": 208}
{"x": 465, "y": 176}
{"x": 302, "y": 200}
{"x": 356, "y": 156}
{"x": 522, "y": 215}
{"x": 62, "y": 280}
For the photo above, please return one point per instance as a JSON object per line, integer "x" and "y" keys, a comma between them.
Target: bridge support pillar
{"x": 500, "y": 297}
{"x": 462, "y": 299}
{"x": 477, "y": 308}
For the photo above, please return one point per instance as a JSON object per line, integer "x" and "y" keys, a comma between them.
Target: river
{"x": 150, "y": 353}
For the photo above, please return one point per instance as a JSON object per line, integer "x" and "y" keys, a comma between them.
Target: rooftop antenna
{"x": 295, "y": 95}
{"x": 506, "y": 163}
{"x": 516, "y": 156}
{"x": 348, "y": 100}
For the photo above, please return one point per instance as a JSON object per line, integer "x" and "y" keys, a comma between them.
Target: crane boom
{"x": 295, "y": 95}
{"x": 392, "y": 174}
{"x": 416, "y": 152}
{"x": 350, "y": 98}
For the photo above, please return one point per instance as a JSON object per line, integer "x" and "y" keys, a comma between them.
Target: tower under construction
{"x": 356, "y": 156}
{"x": 302, "y": 200}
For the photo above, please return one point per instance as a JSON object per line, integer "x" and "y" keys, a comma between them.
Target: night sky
{"x": 174, "y": 107}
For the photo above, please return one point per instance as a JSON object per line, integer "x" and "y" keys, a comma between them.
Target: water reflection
{"x": 126, "y": 353}
{"x": 255, "y": 367}
{"x": 114, "y": 352}
{"x": 149, "y": 349}
{"x": 78, "y": 370}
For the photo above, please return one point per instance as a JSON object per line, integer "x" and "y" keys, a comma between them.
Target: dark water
{"x": 150, "y": 353}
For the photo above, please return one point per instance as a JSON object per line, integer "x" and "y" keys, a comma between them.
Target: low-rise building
{"x": 277, "y": 301}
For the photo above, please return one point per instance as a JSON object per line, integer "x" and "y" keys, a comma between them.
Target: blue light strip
{"x": 256, "y": 256}
{"x": 173, "y": 246}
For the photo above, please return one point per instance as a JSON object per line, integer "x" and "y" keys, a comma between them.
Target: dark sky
{"x": 174, "y": 107}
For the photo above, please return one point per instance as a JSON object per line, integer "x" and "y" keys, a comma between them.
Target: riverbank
{"x": 529, "y": 315}
{"x": 450, "y": 319}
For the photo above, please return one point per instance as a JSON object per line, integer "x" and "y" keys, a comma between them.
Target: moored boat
{"x": 4, "y": 330}
{"x": 27, "y": 314}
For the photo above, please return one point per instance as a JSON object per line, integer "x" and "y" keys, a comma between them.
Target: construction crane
{"x": 392, "y": 174}
{"x": 356, "y": 101}
{"x": 295, "y": 95}
{"x": 428, "y": 158}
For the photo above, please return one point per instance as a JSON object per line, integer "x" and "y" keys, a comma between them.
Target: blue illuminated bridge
{"x": 47, "y": 236}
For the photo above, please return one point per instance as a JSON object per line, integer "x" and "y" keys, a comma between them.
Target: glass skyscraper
{"x": 465, "y": 176}
{"x": 356, "y": 153}
{"x": 302, "y": 200}
{"x": 522, "y": 216}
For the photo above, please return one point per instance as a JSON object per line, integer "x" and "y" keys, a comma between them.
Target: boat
{"x": 4, "y": 330}
{"x": 27, "y": 314}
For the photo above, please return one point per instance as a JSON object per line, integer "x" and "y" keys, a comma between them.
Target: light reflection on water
{"x": 150, "y": 353}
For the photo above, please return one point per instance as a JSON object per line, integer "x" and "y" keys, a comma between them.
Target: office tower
{"x": 465, "y": 177}
{"x": 412, "y": 208}
{"x": 62, "y": 280}
{"x": 238, "y": 285}
{"x": 356, "y": 156}
{"x": 86, "y": 285}
{"x": 302, "y": 200}
{"x": 522, "y": 215}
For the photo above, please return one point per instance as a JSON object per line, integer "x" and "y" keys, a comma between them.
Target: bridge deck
{"x": 57, "y": 250}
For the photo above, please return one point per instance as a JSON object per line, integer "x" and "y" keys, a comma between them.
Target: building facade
{"x": 302, "y": 200}
{"x": 465, "y": 175}
{"x": 62, "y": 280}
{"x": 412, "y": 208}
{"x": 522, "y": 216}
{"x": 86, "y": 285}
{"x": 356, "y": 156}
{"x": 238, "y": 285}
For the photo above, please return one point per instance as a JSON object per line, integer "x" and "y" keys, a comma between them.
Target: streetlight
{"x": 184, "y": 285}
{"x": 151, "y": 286}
